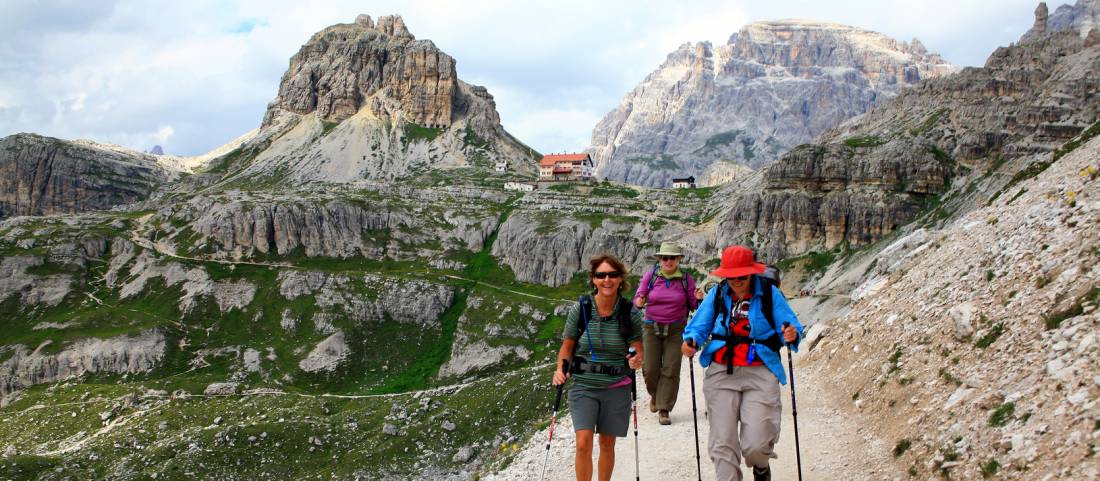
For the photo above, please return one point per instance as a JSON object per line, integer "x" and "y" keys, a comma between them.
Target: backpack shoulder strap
{"x": 687, "y": 294}
{"x": 584, "y": 308}
{"x": 719, "y": 301}
{"x": 767, "y": 304}
{"x": 653, "y": 276}
{"x": 626, "y": 324}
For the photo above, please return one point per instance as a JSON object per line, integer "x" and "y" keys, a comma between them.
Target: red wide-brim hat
{"x": 738, "y": 261}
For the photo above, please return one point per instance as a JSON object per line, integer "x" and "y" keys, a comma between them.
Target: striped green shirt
{"x": 606, "y": 342}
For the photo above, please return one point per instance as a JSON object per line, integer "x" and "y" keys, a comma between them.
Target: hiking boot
{"x": 761, "y": 474}
{"x": 662, "y": 417}
{"x": 652, "y": 404}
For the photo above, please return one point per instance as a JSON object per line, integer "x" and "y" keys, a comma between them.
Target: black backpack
{"x": 772, "y": 276}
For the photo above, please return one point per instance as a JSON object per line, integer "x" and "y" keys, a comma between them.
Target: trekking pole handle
{"x": 557, "y": 398}
{"x": 785, "y": 325}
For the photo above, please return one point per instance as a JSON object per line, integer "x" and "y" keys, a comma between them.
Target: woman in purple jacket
{"x": 668, "y": 295}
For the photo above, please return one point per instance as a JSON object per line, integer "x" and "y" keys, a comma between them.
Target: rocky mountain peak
{"x": 347, "y": 66}
{"x": 795, "y": 43}
{"x": 772, "y": 86}
{"x": 391, "y": 25}
{"x": 367, "y": 100}
{"x": 1083, "y": 17}
{"x": 1041, "y": 15}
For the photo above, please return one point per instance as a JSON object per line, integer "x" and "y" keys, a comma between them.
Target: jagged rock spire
{"x": 1041, "y": 15}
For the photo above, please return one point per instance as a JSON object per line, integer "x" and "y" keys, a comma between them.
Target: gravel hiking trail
{"x": 834, "y": 444}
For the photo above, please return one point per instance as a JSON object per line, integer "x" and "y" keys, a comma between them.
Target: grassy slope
{"x": 507, "y": 400}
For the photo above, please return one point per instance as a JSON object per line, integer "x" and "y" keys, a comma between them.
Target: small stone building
{"x": 684, "y": 183}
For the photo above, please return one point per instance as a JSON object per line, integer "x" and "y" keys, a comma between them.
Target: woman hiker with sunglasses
{"x": 741, "y": 384}
{"x": 599, "y": 400}
{"x": 668, "y": 296}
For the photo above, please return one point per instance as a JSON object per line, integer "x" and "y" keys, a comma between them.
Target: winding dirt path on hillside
{"x": 834, "y": 446}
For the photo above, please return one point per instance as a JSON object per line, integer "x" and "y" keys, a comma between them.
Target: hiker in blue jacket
{"x": 743, "y": 368}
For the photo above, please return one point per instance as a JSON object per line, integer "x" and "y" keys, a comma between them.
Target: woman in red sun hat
{"x": 740, "y": 353}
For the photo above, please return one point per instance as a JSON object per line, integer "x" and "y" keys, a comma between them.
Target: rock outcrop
{"x": 118, "y": 355}
{"x": 32, "y": 289}
{"x": 863, "y": 179}
{"x": 826, "y": 195}
{"x": 1082, "y": 17}
{"x": 327, "y": 355}
{"x": 370, "y": 298}
{"x": 42, "y": 175}
{"x": 773, "y": 86}
{"x": 397, "y": 224}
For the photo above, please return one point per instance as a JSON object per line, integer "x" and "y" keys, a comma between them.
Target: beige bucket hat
{"x": 669, "y": 249}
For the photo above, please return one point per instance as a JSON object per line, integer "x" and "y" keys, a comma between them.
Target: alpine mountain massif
{"x": 709, "y": 111}
{"x": 350, "y": 291}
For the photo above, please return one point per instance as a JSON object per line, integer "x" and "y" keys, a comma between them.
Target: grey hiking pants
{"x": 662, "y": 362}
{"x": 747, "y": 399}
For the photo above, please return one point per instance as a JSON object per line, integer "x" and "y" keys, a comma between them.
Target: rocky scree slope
{"x": 774, "y": 85}
{"x": 981, "y": 337}
{"x": 982, "y": 129}
{"x": 367, "y": 100}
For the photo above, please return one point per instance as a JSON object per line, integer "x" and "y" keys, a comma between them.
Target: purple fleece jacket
{"x": 665, "y": 303}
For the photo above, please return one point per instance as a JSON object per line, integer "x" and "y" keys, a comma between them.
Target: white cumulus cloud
{"x": 122, "y": 71}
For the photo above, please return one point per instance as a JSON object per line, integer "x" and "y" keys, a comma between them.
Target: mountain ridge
{"x": 774, "y": 85}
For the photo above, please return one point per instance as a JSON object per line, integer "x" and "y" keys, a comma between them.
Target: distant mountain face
{"x": 773, "y": 86}
{"x": 43, "y": 175}
{"x": 369, "y": 101}
{"x": 1082, "y": 17}
{"x": 945, "y": 146}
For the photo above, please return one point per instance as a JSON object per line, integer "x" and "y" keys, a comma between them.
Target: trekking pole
{"x": 794, "y": 407}
{"x": 634, "y": 410}
{"x": 554, "y": 417}
{"x": 694, "y": 413}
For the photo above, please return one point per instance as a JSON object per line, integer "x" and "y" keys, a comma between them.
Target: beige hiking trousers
{"x": 747, "y": 399}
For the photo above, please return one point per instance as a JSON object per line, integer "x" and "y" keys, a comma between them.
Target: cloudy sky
{"x": 193, "y": 75}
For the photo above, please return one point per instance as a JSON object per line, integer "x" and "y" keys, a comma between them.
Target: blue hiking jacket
{"x": 703, "y": 324}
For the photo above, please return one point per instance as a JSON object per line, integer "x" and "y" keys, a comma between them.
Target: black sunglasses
{"x": 668, "y": 258}
{"x": 741, "y": 278}
{"x": 611, "y": 274}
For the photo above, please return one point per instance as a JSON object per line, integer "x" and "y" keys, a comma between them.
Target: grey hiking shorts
{"x": 605, "y": 411}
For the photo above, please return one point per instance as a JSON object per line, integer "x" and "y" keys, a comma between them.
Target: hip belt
{"x": 580, "y": 365}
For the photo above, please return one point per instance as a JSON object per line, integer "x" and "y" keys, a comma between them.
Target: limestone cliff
{"x": 977, "y": 128}
{"x": 42, "y": 175}
{"x": 773, "y": 86}
{"x": 343, "y": 67}
{"x": 136, "y": 354}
